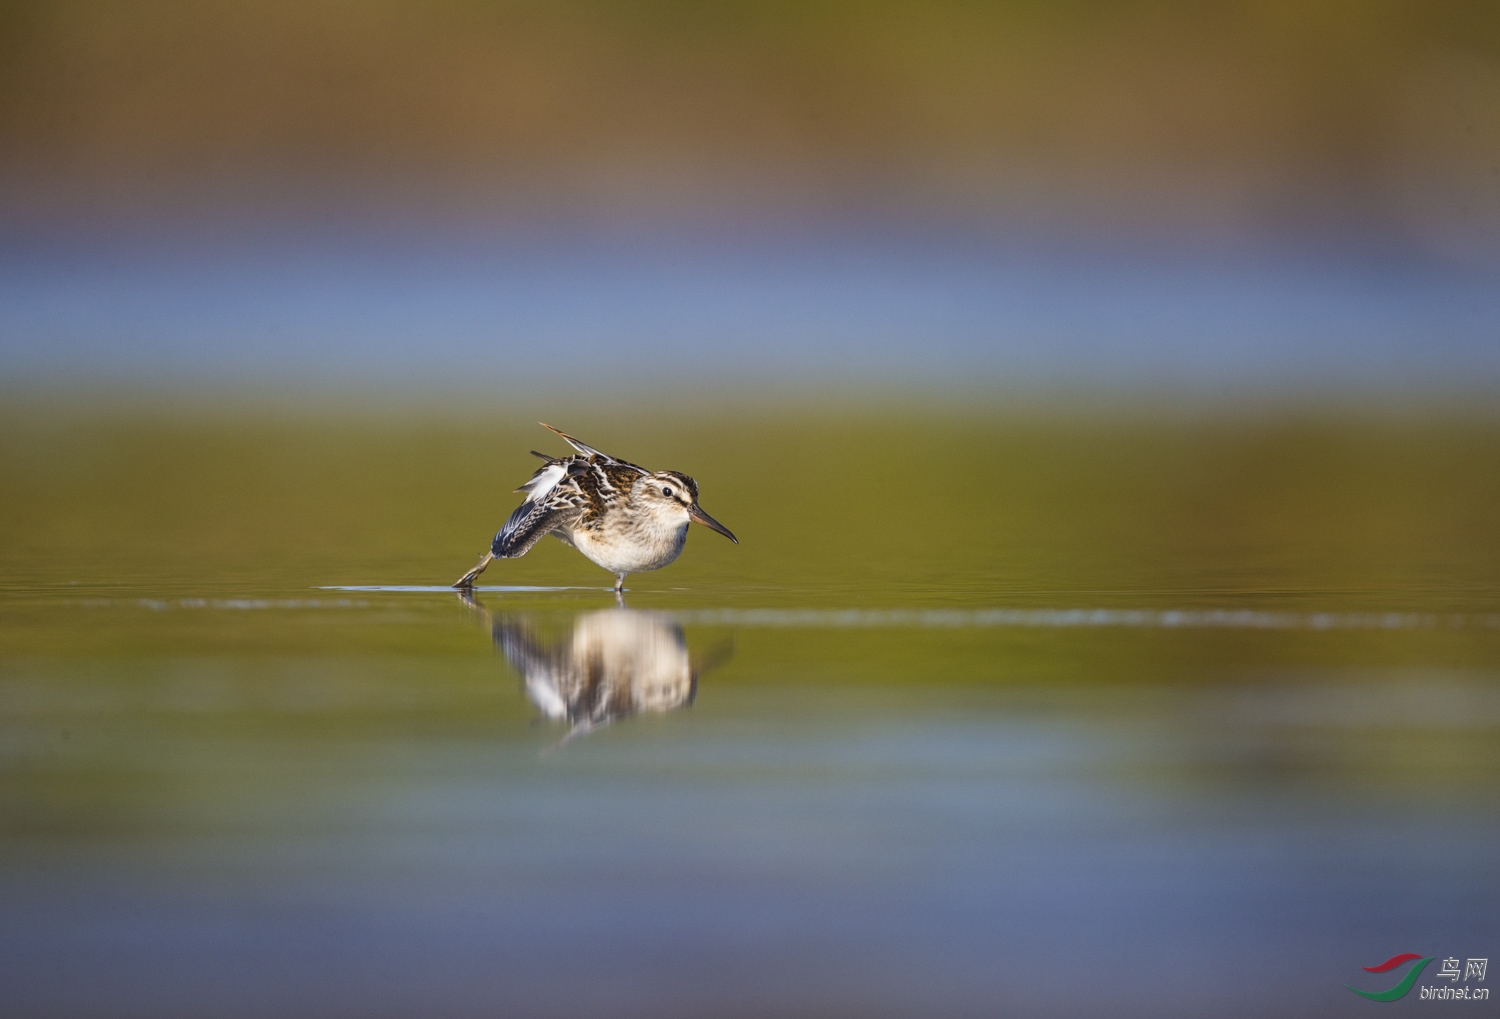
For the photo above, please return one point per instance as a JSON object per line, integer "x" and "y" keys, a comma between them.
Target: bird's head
{"x": 674, "y": 497}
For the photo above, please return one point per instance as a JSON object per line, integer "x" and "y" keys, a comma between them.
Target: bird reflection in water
{"x": 615, "y": 663}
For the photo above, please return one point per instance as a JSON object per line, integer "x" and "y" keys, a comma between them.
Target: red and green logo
{"x": 1395, "y": 962}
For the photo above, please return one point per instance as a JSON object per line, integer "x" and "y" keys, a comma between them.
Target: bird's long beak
{"x": 695, "y": 513}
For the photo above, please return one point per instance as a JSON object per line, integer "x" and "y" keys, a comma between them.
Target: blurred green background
{"x": 1230, "y": 117}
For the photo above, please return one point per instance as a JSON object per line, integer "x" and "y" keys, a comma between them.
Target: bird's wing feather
{"x": 543, "y": 481}
{"x": 589, "y": 453}
{"x": 578, "y": 444}
{"x": 547, "y": 478}
{"x": 532, "y": 521}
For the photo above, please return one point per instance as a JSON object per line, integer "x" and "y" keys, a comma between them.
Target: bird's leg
{"x": 619, "y": 582}
{"x": 467, "y": 580}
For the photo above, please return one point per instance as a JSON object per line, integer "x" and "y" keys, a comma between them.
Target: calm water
{"x": 987, "y": 714}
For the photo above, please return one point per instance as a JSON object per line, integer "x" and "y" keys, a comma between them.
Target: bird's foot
{"x": 467, "y": 580}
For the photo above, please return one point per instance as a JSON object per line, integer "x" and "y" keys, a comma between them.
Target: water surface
{"x": 985, "y": 715}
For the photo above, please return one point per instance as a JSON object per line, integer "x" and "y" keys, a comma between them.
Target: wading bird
{"x": 620, "y": 516}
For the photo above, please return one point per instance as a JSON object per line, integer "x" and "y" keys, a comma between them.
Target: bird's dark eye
{"x": 667, "y": 491}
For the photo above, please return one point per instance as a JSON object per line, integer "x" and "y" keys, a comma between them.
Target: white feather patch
{"x": 544, "y": 482}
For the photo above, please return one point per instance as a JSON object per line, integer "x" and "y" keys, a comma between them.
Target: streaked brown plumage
{"x": 619, "y": 515}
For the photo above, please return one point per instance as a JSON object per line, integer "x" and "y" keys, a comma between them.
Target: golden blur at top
{"x": 1227, "y": 118}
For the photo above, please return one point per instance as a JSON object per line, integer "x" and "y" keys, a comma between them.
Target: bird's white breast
{"x": 622, "y": 546}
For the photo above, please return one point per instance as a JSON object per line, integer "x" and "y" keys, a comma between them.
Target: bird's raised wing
{"x": 534, "y": 519}
{"x": 588, "y": 453}
{"x": 578, "y": 444}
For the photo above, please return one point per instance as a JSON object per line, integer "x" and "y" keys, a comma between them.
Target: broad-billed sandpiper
{"x": 622, "y": 517}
